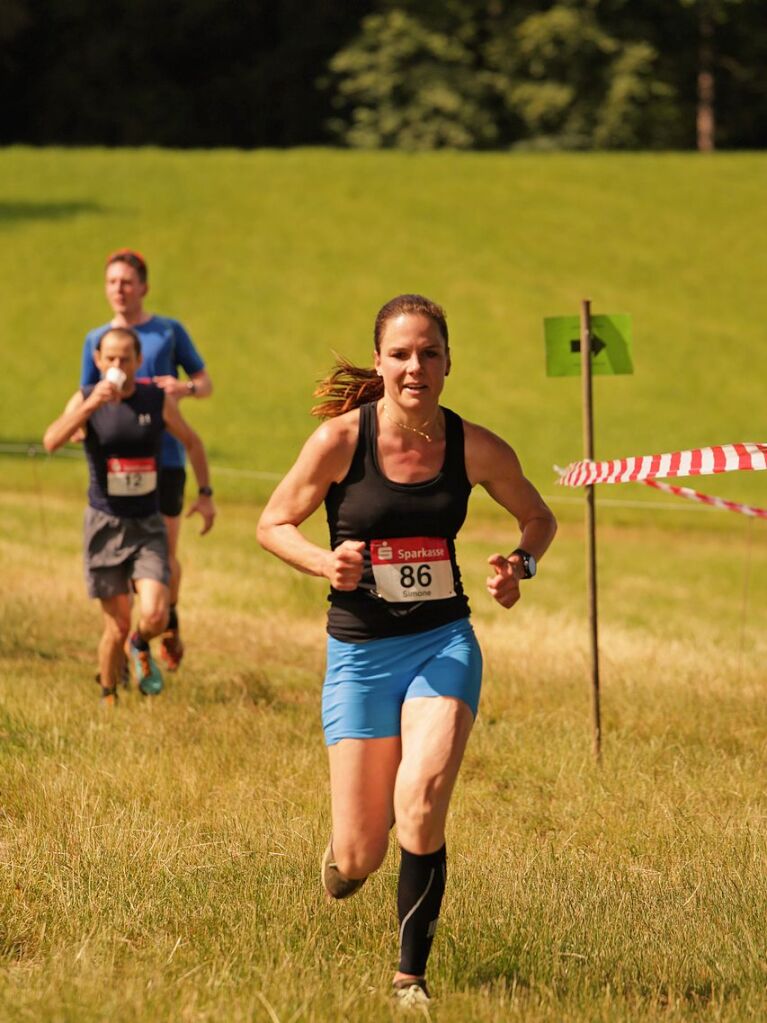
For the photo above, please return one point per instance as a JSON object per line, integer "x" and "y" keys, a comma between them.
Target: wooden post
{"x": 591, "y": 538}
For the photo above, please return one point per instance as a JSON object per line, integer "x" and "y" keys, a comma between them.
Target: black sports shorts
{"x": 170, "y": 489}
{"x": 119, "y": 551}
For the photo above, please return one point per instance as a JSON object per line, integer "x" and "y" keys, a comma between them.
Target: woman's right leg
{"x": 362, "y": 777}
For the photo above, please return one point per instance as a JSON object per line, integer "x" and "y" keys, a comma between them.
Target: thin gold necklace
{"x": 412, "y": 429}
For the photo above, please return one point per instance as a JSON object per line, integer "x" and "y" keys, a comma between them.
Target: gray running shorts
{"x": 118, "y": 550}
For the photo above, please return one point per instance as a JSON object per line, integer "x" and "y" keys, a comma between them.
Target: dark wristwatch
{"x": 205, "y": 491}
{"x": 528, "y": 562}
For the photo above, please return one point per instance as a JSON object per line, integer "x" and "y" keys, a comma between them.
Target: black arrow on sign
{"x": 597, "y": 344}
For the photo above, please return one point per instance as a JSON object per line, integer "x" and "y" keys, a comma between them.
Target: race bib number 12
{"x": 131, "y": 477}
{"x": 412, "y": 568}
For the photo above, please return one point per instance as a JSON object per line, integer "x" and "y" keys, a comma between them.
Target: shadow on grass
{"x": 13, "y": 213}
{"x": 251, "y": 688}
{"x": 506, "y": 979}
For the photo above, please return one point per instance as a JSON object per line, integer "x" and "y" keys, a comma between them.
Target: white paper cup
{"x": 115, "y": 376}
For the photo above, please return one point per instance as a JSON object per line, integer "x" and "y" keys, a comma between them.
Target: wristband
{"x": 529, "y": 564}
{"x": 205, "y": 491}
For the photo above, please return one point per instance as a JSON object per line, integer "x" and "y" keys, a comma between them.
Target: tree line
{"x": 413, "y": 74}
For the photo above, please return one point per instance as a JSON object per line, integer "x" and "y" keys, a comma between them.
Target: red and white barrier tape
{"x": 698, "y": 462}
{"x": 714, "y": 502}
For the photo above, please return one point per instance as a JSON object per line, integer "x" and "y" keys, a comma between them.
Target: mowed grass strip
{"x": 274, "y": 260}
{"x": 161, "y": 862}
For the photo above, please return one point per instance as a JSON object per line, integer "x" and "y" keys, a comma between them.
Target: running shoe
{"x": 108, "y": 698}
{"x": 411, "y": 993}
{"x": 336, "y": 884}
{"x": 171, "y": 649}
{"x": 124, "y": 674}
{"x": 148, "y": 675}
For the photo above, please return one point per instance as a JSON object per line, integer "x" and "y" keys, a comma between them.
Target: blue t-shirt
{"x": 165, "y": 346}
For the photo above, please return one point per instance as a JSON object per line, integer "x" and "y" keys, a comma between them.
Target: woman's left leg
{"x": 435, "y": 731}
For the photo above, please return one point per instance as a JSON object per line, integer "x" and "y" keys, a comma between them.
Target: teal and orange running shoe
{"x": 148, "y": 675}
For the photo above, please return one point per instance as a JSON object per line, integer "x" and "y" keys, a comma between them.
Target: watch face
{"x": 532, "y": 566}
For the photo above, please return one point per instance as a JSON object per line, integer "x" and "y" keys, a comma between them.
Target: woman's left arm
{"x": 493, "y": 464}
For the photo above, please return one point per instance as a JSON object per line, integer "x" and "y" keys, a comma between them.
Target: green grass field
{"x": 275, "y": 259}
{"x": 160, "y": 863}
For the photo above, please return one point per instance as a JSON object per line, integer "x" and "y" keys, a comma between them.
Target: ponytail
{"x": 346, "y": 387}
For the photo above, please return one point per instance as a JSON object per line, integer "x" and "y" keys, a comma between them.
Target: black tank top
{"x": 411, "y": 580}
{"x": 122, "y": 445}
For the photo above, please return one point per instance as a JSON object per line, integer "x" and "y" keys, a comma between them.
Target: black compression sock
{"x": 172, "y": 619}
{"x": 138, "y": 641}
{"x": 419, "y": 897}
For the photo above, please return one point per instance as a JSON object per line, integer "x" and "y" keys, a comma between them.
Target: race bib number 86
{"x": 412, "y": 568}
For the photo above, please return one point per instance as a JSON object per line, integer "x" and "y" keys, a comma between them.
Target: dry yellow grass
{"x": 160, "y": 863}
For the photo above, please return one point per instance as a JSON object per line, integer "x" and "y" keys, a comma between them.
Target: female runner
{"x": 395, "y": 470}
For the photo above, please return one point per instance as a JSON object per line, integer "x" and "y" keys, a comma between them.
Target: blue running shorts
{"x": 367, "y": 683}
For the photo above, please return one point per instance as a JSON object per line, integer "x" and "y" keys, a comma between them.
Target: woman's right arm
{"x": 324, "y": 460}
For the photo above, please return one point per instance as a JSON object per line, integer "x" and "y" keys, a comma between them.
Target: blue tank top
{"x": 122, "y": 445}
{"x": 411, "y": 580}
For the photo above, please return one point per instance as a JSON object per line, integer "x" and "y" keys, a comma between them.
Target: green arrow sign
{"x": 610, "y": 345}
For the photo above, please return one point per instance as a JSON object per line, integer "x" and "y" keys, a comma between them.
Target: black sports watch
{"x": 528, "y": 562}
{"x": 205, "y": 491}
